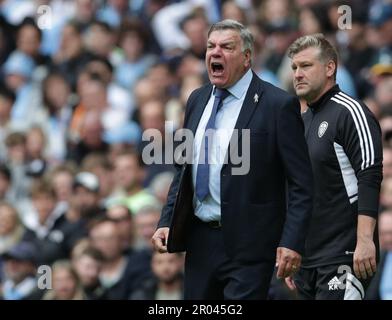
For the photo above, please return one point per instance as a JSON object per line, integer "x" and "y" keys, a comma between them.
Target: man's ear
{"x": 248, "y": 58}
{"x": 331, "y": 67}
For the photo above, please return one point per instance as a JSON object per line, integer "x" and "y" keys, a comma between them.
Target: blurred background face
{"x": 57, "y": 92}
{"x": 101, "y": 69}
{"x": 386, "y": 193}
{"x": 99, "y": 40}
{"x": 119, "y": 5}
{"x": 387, "y": 163}
{"x": 276, "y": 10}
{"x": 15, "y": 81}
{"x": 17, "y": 270}
{"x": 8, "y": 220}
{"x": 308, "y": 22}
{"x": 385, "y": 229}
{"x": 87, "y": 269}
{"x": 35, "y": 143}
{"x": 64, "y": 284}
{"x": 230, "y": 10}
{"x": 123, "y": 219}
{"x": 93, "y": 95}
{"x": 160, "y": 77}
{"x": 196, "y": 31}
{"x": 166, "y": 266}
{"x": 133, "y": 45}
{"x": 5, "y": 109}
{"x": 85, "y": 9}
{"x": 92, "y": 129}
{"x": 146, "y": 90}
{"x": 127, "y": 171}
{"x": 105, "y": 238}
{"x": 152, "y": 116}
{"x": 17, "y": 152}
{"x": 62, "y": 184}
{"x": 71, "y": 42}
{"x": 4, "y": 185}
{"x": 145, "y": 226}
{"x": 28, "y": 40}
{"x": 85, "y": 199}
{"x": 44, "y": 204}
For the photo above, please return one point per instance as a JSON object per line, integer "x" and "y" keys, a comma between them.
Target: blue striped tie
{"x": 203, "y": 168}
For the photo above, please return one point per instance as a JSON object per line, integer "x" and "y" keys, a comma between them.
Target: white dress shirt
{"x": 209, "y": 209}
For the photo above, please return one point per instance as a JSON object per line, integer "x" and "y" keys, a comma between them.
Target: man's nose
{"x": 216, "y": 51}
{"x": 298, "y": 74}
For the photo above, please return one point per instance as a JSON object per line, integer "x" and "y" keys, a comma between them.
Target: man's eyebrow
{"x": 302, "y": 62}
{"x": 223, "y": 43}
{"x": 227, "y": 42}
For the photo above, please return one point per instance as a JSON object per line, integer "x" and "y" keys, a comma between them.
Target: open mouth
{"x": 217, "y": 68}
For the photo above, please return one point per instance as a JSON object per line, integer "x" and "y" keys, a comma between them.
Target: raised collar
{"x": 315, "y": 106}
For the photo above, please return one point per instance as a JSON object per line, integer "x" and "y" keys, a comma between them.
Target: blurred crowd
{"x": 82, "y": 80}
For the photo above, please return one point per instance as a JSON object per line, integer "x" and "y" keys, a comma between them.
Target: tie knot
{"x": 221, "y": 93}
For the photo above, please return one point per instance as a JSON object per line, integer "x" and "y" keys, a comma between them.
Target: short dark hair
{"x": 42, "y": 186}
{"x": 103, "y": 25}
{"x": 136, "y": 27}
{"x": 29, "y": 22}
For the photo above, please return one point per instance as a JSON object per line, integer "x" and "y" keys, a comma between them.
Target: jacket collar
{"x": 315, "y": 106}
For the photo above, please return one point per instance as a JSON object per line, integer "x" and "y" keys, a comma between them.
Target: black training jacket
{"x": 344, "y": 141}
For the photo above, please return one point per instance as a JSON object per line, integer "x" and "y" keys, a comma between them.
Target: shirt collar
{"x": 326, "y": 96}
{"x": 242, "y": 85}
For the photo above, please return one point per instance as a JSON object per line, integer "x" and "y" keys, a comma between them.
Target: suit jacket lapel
{"x": 198, "y": 108}
{"x": 251, "y": 102}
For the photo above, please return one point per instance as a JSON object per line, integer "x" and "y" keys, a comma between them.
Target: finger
{"x": 281, "y": 269}
{"x": 278, "y": 255}
{"x": 290, "y": 283}
{"x": 362, "y": 270}
{"x": 368, "y": 268}
{"x": 163, "y": 249}
{"x": 356, "y": 269}
{"x": 159, "y": 244}
{"x": 294, "y": 268}
{"x": 373, "y": 263}
{"x": 288, "y": 272}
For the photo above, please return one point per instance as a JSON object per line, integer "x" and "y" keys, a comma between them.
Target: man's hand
{"x": 365, "y": 258}
{"x": 290, "y": 283}
{"x": 365, "y": 251}
{"x": 288, "y": 262}
{"x": 159, "y": 239}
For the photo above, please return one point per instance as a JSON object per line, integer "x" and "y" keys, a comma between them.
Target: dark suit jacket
{"x": 254, "y": 212}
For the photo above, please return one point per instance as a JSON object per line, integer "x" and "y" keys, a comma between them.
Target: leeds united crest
{"x": 322, "y": 128}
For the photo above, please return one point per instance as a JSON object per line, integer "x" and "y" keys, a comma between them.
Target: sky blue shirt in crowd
{"x": 226, "y": 118}
{"x": 386, "y": 279}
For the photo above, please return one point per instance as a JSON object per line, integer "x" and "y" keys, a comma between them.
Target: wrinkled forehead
{"x": 310, "y": 54}
{"x": 226, "y": 35}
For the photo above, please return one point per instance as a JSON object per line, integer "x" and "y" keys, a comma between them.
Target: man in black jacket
{"x": 344, "y": 142}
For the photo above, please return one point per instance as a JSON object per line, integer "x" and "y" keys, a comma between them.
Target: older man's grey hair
{"x": 245, "y": 34}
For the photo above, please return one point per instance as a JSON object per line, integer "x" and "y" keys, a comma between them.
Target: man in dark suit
{"x": 235, "y": 223}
